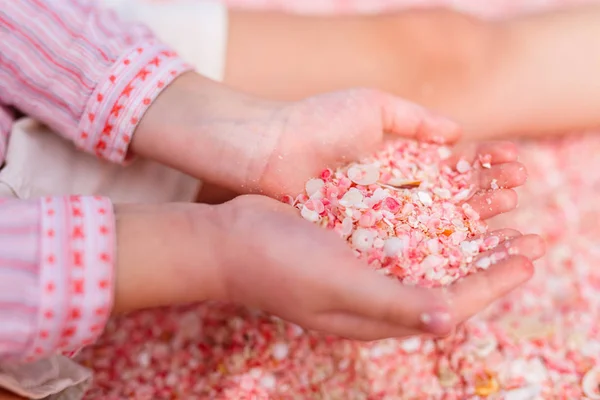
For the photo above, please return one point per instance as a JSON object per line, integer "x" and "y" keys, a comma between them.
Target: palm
{"x": 334, "y": 129}
{"x": 307, "y": 275}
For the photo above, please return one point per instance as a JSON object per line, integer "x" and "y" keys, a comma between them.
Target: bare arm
{"x": 529, "y": 76}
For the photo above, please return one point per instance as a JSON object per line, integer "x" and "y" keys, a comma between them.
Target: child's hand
{"x": 334, "y": 129}
{"x": 275, "y": 261}
{"x": 308, "y": 275}
{"x": 258, "y": 252}
{"x": 249, "y": 145}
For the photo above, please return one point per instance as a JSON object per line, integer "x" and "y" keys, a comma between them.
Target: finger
{"x": 358, "y": 327}
{"x": 530, "y": 246}
{"x": 383, "y": 299}
{"x": 409, "y": 120}
{"x": 498, "y": 151}
{"x": 477, "y": 291}
{"x": 507, "y": 175}
{"x": 492, "y": 203}
{"x": 502, "y": 234}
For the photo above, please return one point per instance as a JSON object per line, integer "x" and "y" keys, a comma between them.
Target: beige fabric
{"x": 40, "y": 163}
{"x": 196, "y": 29}
{"x": 55, "y": 378}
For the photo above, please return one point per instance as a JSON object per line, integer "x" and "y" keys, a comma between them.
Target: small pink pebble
{"x": 491, "y": 242}
{"x": 483, "y": 263}
{"x": 362, "y": 239}
{"x": 432, "y": 261}
{"x": 463, "y": 166}
{"x": 280, "y": 351}
{"x": 392, "y": 204}
{"x": 352, "y": 198}
{"x": 326, "y": 174}
{"x": 367, "y": 220}
{"x": 411, "y": 345}
{"x": 393, "y": 246}
{"x": 287, "y": 199}
{"x": 309, "y": 215}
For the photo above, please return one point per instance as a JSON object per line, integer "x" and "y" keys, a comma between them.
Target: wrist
{"x": 166, "y": 255}
{"x": 206, "y": 130}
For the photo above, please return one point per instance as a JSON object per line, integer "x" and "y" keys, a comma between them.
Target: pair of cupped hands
{"x": 265, "y": 256}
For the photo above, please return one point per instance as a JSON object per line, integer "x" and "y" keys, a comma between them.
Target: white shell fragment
{"x": 364, "y": 174}
{"x": 463, "y": 166}
{"x": 362, "y": 239}
{"x": 314, "y": 186}
{"x": 590, "y": 384}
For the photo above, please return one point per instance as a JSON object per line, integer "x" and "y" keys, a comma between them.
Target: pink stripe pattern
{"x": 89, "y": 77}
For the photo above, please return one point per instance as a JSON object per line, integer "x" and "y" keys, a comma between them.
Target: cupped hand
{"x": 275, "y": 261}
{"x": 288, "y": 143}
{"x": 337, "y": 128}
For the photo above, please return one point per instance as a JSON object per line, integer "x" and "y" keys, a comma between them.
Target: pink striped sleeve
{"x": 81, "y": 71}
{"x": 6, "y": 121}
{"x": 56, "y": 274}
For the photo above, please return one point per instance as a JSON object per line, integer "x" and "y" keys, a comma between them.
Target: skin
{"x": 497, "y": 79}
{"x": 218, "y": 251}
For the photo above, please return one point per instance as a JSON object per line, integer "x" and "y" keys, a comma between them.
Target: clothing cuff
{"x": 119, "y": 101}
{"x": 77, "y": 255}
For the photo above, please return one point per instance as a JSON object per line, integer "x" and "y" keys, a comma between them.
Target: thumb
{"x": 406, "y": 119}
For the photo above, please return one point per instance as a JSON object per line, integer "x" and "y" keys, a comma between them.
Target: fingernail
{"x": 437, "y": 322}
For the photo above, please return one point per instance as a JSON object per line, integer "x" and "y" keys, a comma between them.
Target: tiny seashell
{"x": 444, "y": 152}
{"x": 425, "y": 198}
{"x": 590, "y": 384}
{"x": 280, "y": 351}
{"x": 393, "y": 246}
{"x": 463, "y": 166}
{"x": 362, "y": 239}
{"x": 314, "y": 186}
{"x": 483, "y": 263}
{"x": 462, "y": 195}
{"x": 352, "y": 198}
{"x": 363, "y": 174}
{"x": 411, "y": 344}
{"x": 309, "y": 215}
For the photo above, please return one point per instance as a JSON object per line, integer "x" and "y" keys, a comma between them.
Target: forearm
{"x": 166, "y": 255}
{"x": 289, "y": 57}
{"x": 528, "y": 76}
{"x": 547, "y": 81}
{"x": 436, "y": 58}
{"x": 207, "y": 130}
